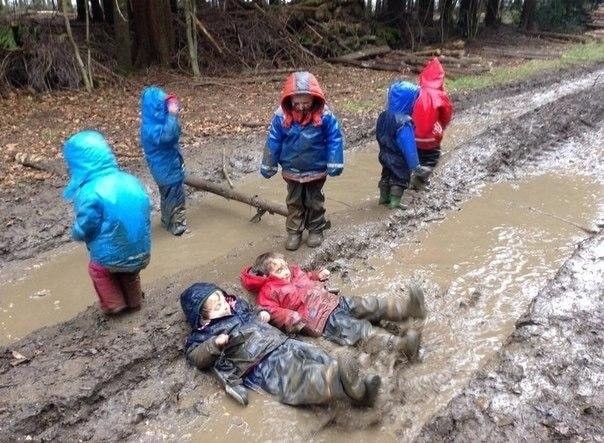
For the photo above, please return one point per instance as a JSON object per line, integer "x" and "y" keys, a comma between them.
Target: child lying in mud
{"x": 299, "y": 301}
{"x": 246, "y": 352}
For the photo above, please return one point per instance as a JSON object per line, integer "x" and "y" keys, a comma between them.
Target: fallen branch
{"x": 557, "y": 217}
{"x": 365, "y": 53}
{"x": 555, "y": 35}
{"x": 232, "y": 194}
{"x": 40, "y": 163}
{"x": 205, "y": 32}
{"x": 224, "y": 170}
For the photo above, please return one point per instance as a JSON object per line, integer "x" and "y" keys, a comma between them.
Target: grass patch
{"x": 575, "y": 54}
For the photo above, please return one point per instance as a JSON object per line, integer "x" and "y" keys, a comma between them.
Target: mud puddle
{"x": 481, "y": 266}
{"x": 56, "y": 289}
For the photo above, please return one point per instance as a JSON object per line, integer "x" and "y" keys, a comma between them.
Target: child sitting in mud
{"x": 398, "y": 152}
{"x": 305, "y": 139}
{"x": 159, "y": 133}
{"x": 432, "y": 113}
{"x": 246, "y": 352}
{"x": 299, "y": 301}
{"x": 113, "y": 216}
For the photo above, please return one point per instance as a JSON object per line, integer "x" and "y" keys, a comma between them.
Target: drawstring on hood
{"x": 87, "y": 155}
{"x": 302, "y": 82}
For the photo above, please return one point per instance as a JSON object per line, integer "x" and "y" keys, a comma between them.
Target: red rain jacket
{"x": 303, "y": 297}
{"x": 432, "y": 110}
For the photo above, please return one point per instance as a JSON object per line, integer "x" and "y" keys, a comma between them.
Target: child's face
{"x": 216, "y": 306}
{"x": 302, "y": 103}
{"x": 279, "y": 268}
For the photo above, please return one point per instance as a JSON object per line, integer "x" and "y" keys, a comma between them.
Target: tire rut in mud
{"x": 93, "y": 378}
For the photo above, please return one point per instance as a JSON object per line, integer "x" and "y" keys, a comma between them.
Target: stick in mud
{"x": 557, "y": 217}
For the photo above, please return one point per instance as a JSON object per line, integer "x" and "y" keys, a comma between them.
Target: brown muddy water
{"x": 481, "y": 266}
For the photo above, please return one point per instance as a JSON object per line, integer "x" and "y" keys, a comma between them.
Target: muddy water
{"x": 58, "y": 287}
{"x": 481, "y": 266}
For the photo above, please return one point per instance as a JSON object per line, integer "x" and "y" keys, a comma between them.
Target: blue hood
{"x": 153, "y": 105}
{"x": 193, "y": 298}
{"x": 87, "y": 155}
{"x": 401, "y": 96}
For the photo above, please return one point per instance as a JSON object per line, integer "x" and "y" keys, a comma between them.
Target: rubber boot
{"x": 237, "y": 393}
{"x": 350, "y": 376}
{"x": 383, "y": 341}
{"x": 396, "y": 193}
{"x": 393, "y": 309}
{"x": 409, "y": 344}
{"x": 314, "y": 239}
{"x": 293, "y": 241}
{"x": 372, "y": 388}
{"x": 384, "y": 196}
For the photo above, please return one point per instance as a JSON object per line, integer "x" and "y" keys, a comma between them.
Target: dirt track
{"x": 93, "y": 378}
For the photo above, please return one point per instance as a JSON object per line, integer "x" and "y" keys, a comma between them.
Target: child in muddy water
{"x": 112, "y": 216}
{"x": 398, "y": 151}
{"x": 246, "y": 352}
{"x": 305, "y": 138}
{"x": 299, "y": 302}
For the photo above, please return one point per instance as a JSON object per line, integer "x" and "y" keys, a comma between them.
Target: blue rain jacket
{"x": 160, "y": 132}
{"x": 394, "y": 130}
{"x": 304, "y": 150}
{"x": 112, "y": 209}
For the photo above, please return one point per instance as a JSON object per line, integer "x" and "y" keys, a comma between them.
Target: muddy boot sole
{"x": 372, "y": 388}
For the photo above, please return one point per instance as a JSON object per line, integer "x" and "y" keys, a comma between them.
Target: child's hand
{"x": 221, "y": 340}
{"x": 173, "y": 106}
{"x": 264, "y": 316}
{"x": 324, "y": 274}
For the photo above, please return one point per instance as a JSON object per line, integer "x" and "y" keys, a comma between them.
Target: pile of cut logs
{"x": 452, "y": 56}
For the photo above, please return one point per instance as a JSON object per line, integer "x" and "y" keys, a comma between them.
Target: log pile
{"x": 453, "y": 58}
{"x": 595, "y": 24}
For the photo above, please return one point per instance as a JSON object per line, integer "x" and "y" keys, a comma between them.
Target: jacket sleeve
{"x": 169, "y": 132}
{"x": 88, "y": 220}
{"x": 204, "y": 354}
{"x": 280, "y": 317}
{"x": 405, "y": 139}
{"x": 272, "y": 148}
{"x": 445, "y": 111}
{"x": 335, "y": 145}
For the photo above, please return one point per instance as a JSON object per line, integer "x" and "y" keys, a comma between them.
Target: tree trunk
{"x": 80, "y": 8}
{"x": 446, "y": 19}
{"x": 190, "y": 9}
{"x": 123, "y": 42}
{"x": 153, "y": 32}
{"x": 527, "y": 18}
{"x": 96, "y": 12}
{"x": 467, "y": 21}
{"x": 425, "y": 12}
{"x": 491, "y": 19}
{"x": 395, "y": 9}
{"x": 108, "y": 10}
{"x": 76, "y": 50}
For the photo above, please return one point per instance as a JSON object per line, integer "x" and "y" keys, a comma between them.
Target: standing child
{"x": 432, "y": 113}
{"x": 298, "y": 301}
{"x": 112, "y": 216}
{"x": 305, "y": 139}
{"x": 396, "y": 139}
{"x": 246, "y": 352}
{"x": 160, "y": 132}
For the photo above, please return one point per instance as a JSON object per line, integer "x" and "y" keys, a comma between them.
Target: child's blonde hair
{"x": 261, "y": 265}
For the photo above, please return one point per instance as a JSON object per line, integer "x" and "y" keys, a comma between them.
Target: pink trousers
{"x": 116, "y": 290}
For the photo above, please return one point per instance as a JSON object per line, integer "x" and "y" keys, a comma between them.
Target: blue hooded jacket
{"x": 160, "y": 132}
{"x": 394, "y": 131}
{"x": 303, "y": 150}
{"x": 112, "y": 209}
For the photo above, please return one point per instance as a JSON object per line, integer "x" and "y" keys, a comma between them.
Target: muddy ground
{"x": 110, "y": 379}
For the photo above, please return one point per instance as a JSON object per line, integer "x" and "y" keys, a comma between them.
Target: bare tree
{"x": 492, "y": 16}
{"x": 527, "y": 18}
{"x": 153, "y": 31}
{"x": 123, "y": 42}
{"x": 190, "y": 8}
{"x": 76, "y": 50}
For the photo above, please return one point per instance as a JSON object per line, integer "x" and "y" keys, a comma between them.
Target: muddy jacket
{"x": 303, "y": 297}
{"x": 112, "y": 209}
{"x": 433, "y": 110}
{"x": 394, "y": 129}
{"x": 305, "y": 150}
{"x": 250, "y": 340}
{"x": 159, "y": 134}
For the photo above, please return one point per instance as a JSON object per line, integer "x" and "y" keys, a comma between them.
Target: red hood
{"x": 433, "y": 75}
{"x": 302, "y": 83}
{"x": 252, "y": 282}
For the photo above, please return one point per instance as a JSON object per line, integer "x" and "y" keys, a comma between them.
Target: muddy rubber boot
{"x": 372, "y": 389}
{"x": 416, "y": 305}
{"x": 409, "y": 344}
{"x": 293, "y": 241}
{"x": 353, "y": 384}
{"x": 396, "y": 194}
{"x": 314, "y": 239}
{"x": 384, "y": 196}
